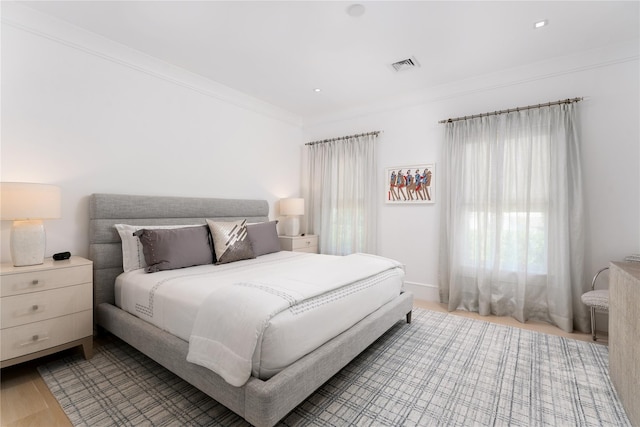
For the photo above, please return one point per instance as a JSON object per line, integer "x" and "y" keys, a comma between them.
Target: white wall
{"x": 610, "y": 150}
{"x": 92, "y": 116}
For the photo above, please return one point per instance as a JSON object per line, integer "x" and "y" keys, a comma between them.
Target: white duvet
{"x": 295, "y": 302}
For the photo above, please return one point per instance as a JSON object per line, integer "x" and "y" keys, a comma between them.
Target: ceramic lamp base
{"x": 292, "y": 226}
{"x": 27, "y": 242}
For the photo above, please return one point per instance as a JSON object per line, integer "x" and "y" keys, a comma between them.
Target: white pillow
{"x": 132, "y": 254}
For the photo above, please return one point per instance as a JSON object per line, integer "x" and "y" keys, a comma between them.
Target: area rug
{"x": 439, "y": 370}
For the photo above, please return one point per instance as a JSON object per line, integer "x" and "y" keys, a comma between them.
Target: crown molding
{"x": 42, "y": 25}
{"x": 34, "y": 22}
{"x": 554, "y": 67}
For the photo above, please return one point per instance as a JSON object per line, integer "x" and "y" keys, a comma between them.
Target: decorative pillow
{"x": 132, "y": 255}
{"x": 230, "y": 241}
{"x": 263, "y": 237}
{"x": 175, "y": 248}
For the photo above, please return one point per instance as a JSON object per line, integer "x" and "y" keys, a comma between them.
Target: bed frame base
{"x": 262, "y": 403}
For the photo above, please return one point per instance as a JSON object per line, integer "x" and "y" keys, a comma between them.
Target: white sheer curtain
{"x": 339, "y": 186}
{"x": 511, "y": 224}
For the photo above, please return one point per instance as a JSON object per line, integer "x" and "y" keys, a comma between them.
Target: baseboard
{"x": 423, "y": 291}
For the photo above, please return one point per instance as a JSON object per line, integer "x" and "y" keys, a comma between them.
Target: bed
{"x": 263, "y": 399}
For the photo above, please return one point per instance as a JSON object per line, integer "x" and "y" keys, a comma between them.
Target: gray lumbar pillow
{"x": 175, "y": 248}
{"x": 230, "y": 240}
{"x": 263, "y": 237}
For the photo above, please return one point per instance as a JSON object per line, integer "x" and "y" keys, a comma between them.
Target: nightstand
{"x": 308, "y": 243}
{"x": 46, "y": 308}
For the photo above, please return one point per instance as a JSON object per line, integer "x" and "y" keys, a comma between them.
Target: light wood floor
{"x": 25, "y": 399}
{"x": 509, "y": 321}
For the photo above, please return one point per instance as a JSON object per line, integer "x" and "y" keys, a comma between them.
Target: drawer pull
{"x": 34, "y": 339}
{"x": 35, "y": 281}
{"x": 35, "y": 307}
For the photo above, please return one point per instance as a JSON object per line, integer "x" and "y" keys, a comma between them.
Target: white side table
{"x": 46, "y": 308}
{"x": 308, "y": 243}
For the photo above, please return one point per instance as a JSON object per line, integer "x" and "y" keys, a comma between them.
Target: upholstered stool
{"x": 596, "y": 299}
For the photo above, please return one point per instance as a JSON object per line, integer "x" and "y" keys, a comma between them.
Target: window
{"x": 506, "y": 216}
{"x": 340, "y": 191}
{"x": 511, "y": 215}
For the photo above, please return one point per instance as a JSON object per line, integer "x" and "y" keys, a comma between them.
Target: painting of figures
{"x": 410, "y": 184}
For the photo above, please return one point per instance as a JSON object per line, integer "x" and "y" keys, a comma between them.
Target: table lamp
{"x": 292, "y": 209}
{"x": 27, "y": 204}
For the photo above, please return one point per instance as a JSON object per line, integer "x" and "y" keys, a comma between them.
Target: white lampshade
{"x": 292, "y": 208}
{"x": 27, "y": 205}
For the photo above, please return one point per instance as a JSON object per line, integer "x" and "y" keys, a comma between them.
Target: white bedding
{"x": 171, "y": 300}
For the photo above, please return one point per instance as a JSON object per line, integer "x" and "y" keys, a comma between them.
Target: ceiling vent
{"x": 405, "y": 64}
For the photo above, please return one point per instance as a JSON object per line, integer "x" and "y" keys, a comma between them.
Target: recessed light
{"x": 317, "y": 90}
{"x": 541, "y": 24}
{"x": 356, "y": 10}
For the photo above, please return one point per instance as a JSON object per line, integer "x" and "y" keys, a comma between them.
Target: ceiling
{"x": 281, "y": 51}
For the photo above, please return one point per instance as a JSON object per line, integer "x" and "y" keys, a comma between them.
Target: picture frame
{"x": 402, "y": 186}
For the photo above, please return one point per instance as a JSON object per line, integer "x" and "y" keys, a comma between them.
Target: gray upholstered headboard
{"x": 105, "y": 210}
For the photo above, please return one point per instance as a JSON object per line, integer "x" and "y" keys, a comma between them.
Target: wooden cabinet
{"x": 624, "y": 335}
{"x": 45, "y": 308}
{"x": 299, "y": 243}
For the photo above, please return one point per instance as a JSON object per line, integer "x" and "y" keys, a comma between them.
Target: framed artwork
{"x": 413, "y": 184}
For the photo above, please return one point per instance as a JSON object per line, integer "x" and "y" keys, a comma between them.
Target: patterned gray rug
{"x": 439, "y": 370}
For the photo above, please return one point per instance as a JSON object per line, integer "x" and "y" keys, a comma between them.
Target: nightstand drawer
{"x": 311, "y": 250}
{"x": 308, "y": 243}
{"x": 304, "y": 242}
{"x": 37, "y": 336}
{"x": 37, "y": 306}
{"x": 34, "y": 281}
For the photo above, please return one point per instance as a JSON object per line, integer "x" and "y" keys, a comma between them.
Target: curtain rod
{"x": 376, "y": 133}
{"x": 511, "y": 110}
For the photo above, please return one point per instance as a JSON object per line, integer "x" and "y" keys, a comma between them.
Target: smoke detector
{"x": 355, "y": 10}
{"x": 405, "y": 64}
